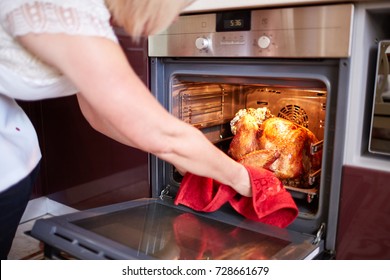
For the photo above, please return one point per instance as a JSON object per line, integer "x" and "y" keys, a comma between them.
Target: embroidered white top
{"x": 24, "y": 77}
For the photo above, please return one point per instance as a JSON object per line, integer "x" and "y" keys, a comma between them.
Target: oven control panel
{"x": 313, "y": 31}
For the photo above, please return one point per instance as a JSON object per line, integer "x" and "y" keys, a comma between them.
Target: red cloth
{"x": 270, "y": 202}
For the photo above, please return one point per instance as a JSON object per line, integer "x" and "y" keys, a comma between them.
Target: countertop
{"x": 207, "y": 5}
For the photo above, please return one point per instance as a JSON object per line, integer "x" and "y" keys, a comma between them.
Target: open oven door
{"x": 155, "y": 228}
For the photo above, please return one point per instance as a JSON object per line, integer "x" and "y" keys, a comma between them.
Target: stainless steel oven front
{"x": 204, "y": 68}
{"x": 294, "y": 61}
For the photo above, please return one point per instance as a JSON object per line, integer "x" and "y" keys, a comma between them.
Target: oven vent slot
{"x": 68, "y": 239}
{"x": 74, "y": 242}
{"x": 89, "y": 249}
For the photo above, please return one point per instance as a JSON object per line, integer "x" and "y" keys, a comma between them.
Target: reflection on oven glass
{"x": 168, "y": 233}
{"x": 201, "y": 239}
{"x": 380, "y": 123}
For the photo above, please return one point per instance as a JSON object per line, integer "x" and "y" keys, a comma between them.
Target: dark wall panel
{"x": 364, "y": 223}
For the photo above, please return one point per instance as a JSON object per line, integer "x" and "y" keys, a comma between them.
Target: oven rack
{"x": 304, "y": 194}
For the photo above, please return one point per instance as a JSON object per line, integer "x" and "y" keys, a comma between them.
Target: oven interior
{"x": 209, "y": 104}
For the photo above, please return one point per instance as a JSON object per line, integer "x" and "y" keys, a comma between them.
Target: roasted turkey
{"x": 276, "y": 144}
{"x": 260, "y": 158}
{"x": 245, "y": 127}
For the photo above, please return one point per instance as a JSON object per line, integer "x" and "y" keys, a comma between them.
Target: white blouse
{"x": 25, "y": 77}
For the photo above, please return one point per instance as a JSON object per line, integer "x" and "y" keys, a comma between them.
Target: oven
{"x": 204, "y": 69}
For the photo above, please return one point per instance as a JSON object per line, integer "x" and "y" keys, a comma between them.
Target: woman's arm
{"x": 117, "y": 103}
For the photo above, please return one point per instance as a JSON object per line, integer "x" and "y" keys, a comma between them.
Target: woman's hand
{"x": 243, "y": 185}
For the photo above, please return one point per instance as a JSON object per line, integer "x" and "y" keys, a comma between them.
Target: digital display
{"x": 233, "y": 21}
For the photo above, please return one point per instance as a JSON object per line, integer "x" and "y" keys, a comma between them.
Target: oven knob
{"x": 264, "y": 42}
{"x": 202, "y": 43}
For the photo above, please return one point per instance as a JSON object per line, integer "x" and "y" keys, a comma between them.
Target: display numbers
{"x": 236, "y": 23}
{"x": 233, "y": 21}
{"x": 232, "y": 24}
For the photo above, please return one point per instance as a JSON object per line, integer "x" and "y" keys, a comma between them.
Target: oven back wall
{"x": 364, "y": 224}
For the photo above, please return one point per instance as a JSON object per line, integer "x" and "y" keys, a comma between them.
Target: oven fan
{"x": 295, "y": 114}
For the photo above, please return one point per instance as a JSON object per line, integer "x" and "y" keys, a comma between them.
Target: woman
{"x": 53, "y": 48}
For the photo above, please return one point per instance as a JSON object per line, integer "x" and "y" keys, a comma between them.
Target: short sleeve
{"x": 74, "y": 17}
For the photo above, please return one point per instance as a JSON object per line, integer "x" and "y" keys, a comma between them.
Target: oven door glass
{"x": 156, "y": 229}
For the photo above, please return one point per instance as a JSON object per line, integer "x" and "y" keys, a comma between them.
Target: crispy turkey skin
{"x": 278, "y": 145}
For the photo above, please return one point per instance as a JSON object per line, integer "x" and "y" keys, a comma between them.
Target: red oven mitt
{"x": 270, "y": 202}
{"x": 203, "y": 194}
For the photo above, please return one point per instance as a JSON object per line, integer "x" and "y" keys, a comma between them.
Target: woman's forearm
{"x": 117, "y": 103}
{"x": 190, "y": 151}
{"x": 179, "y": 144}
